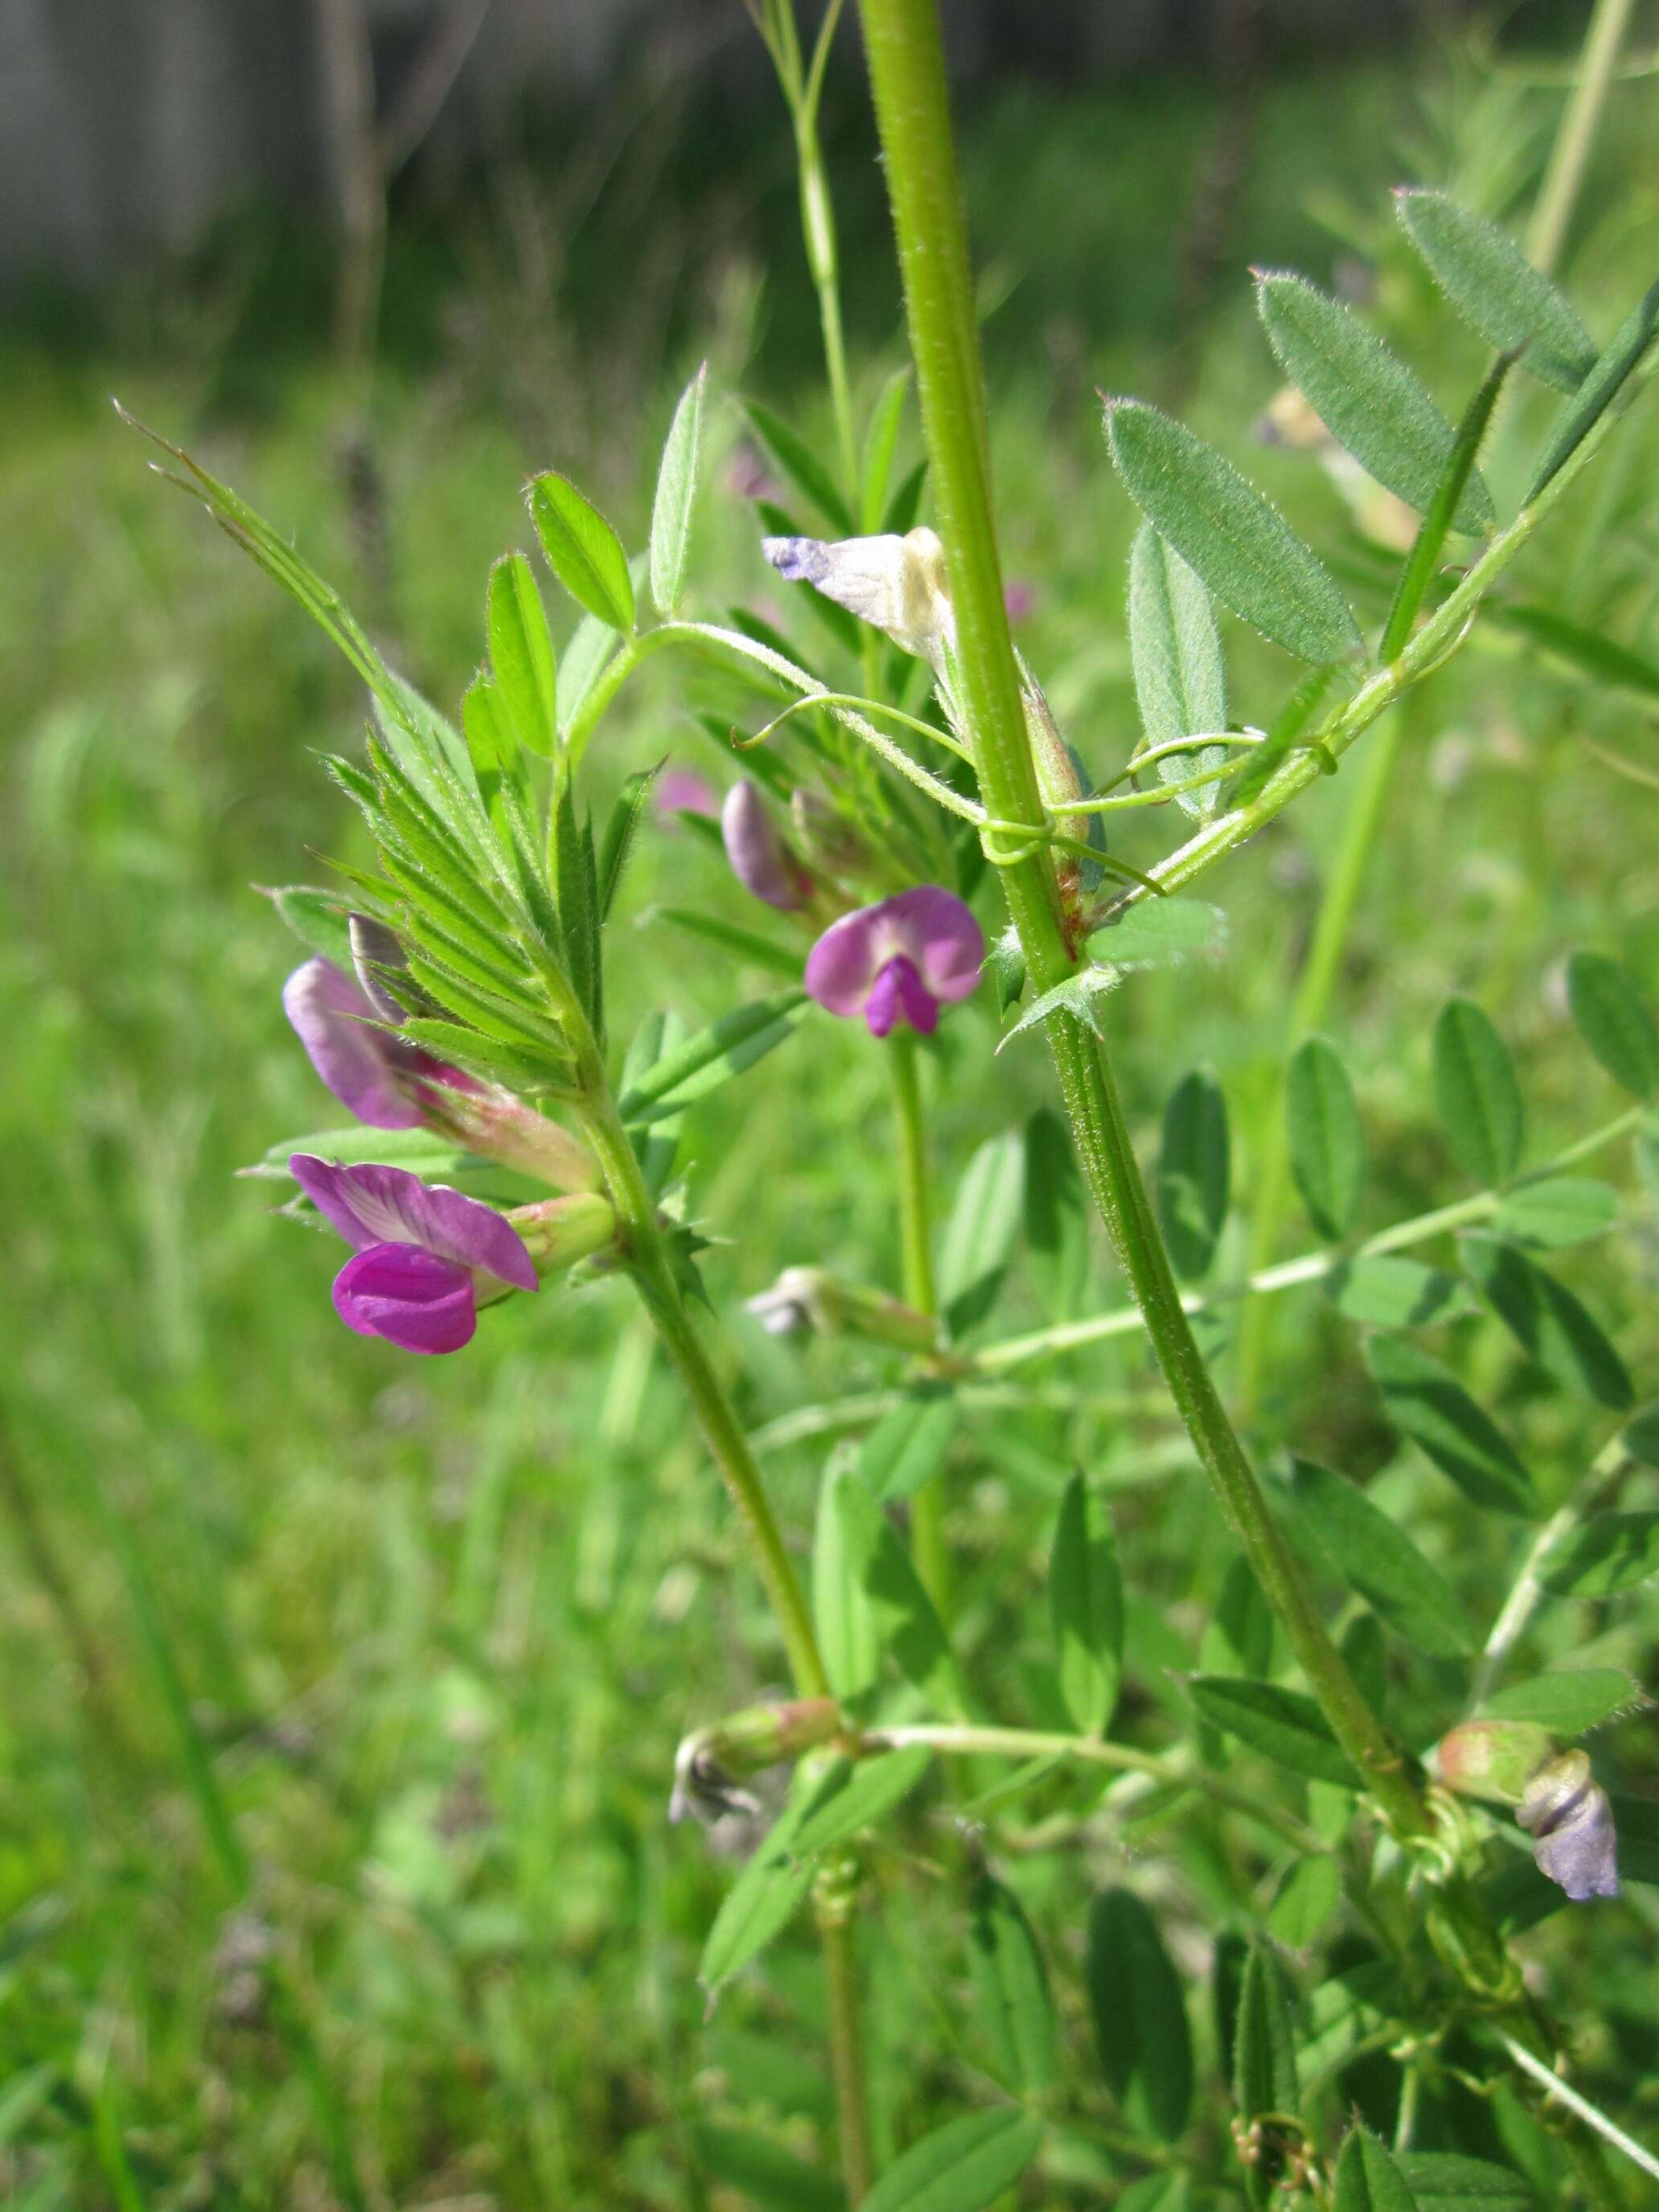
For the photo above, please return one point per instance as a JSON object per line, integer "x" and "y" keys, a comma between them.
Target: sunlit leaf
{"x": 848, "y": 1636}
{"x": 1548, "y": 1322}
{"x": 1307, "y": 1902}
{"x": 582, "y": 549}
{"x": 677, "y": 492}
{"x": 801, "y": 465}
{"x": 1366, "y": 396}
{"x": 1140, "y": 2013}
{"x": 880, "y": 443}
{"x": 1431, "y": 1407}
{"x": 1384, "y": 1289}
{"x": 854, "y": 1794}
{"x": 317, "y": 918}
{"x": 1192, "y": 1173}
{"x": 1175, "y": 650}
{"x": 1283, "y": 1725}
{"x": 907, "y": 1447}
{"x": 1493, "y": 285}
{"x": 1556, "y": 1210}
{"x": 980, "y": 1231}
{"x": 961, "y": 2168}
{"x": 1379, "y": 1560}
{"x": 521, "y": 655}
{"x": 762, "y": 1902}
{"x": 1613, "y": 1553}
{"x": 1327, "y": 1141}
{"x": 1012, "y": 1985}
{"x": 764, "y": 2172}
{"x": 1446, "y": 2181}
{"x": 1477, "y": 1092}
{"x": 726, "y": 1048}
{"x": 1368, "y": 2180}
{"x": 1613, "y": 1020}
{"x": 1567, "y": 1702}
{"x": 1241, "y": 547}
{"x": 1085, "y": 1609}
{"x": 1264, "y": 2040}
{"x": 1600, "y": 388}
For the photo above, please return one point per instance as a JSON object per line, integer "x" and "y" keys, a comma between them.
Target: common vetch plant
{"x": 932, "y": 847}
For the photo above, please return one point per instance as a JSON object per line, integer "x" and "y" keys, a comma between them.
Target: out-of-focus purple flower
{"x": 760, "y": 859}
{"x": 422, "y": 1253}
{"x": 1019, "y": 600}
{"x": 681, "y": 791}
{"x": 376, "y": 1076}
{"x": 899, "y": 960}
{"x": 1567, "y": 1813}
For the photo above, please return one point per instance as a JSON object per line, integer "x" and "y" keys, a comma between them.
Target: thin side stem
{"x": 1438, "y": 638}
{"x": 1290, "y": 1274}
{"x": 641, "y": 1240}
{"x": 1307, "y": 1010}
{"x": 1093, "y": 1751}
{"x": 1521, "y": 1602}
{"x": 906, "y": 69}
{"x": 928, "y": 1545}
{"x": 1575, "y": 138}
{"x": 1562, "y": 2093}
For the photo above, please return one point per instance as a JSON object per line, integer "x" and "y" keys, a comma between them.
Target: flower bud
{"x": 1569, "y": 1817}
{"x": 828, "y": 839}
{"x": 708, "y": 1764}
{"x": 502, "y": 1128}
{"x": 760, "y": 859}
{"x": 558, "y": 1232}
{"x": 809, "y": 1298}
{"x": 1493, "y": 1758}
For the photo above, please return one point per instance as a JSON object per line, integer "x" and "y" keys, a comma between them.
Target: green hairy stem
{"x": 907, "y": 72}
{"x": 915, "y": 1239}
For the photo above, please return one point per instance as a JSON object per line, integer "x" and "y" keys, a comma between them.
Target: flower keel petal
{"x": 409, "y": 1296}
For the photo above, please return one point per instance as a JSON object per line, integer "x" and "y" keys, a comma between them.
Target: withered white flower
{"x": 894, "y": 584}
{"x": 1566, "y": 1812}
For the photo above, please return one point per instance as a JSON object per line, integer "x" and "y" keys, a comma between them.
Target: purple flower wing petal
{"x": 372, "y": 1205}
{"x": 332, "y": 1019}
{"x": 842, "y": 965}
{"x": 409, "y": 1296}
{"x": 936, "y": 930}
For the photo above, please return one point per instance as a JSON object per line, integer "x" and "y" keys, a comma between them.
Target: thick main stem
{"x": 906, "y": 69}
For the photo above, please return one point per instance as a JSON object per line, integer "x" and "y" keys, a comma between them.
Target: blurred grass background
{"x": 439, "y": 1625}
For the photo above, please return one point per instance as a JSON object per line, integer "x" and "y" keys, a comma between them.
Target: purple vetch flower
{"x": 1569, "y": 1817}
{"x": 423, "y": 1253}
{"x": 760, "y": 859}
{"x": 682, "y": 790}
{"x": 898, "y": 960}
{"x": 377, "y": 1076}
{"x": 1018, "y": 600}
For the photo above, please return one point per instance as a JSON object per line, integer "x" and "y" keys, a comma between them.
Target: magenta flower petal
{"x": 899, "y": 994}
{"x": 682, "y": 790}
{"x": 933, "y": 927}
{"x": 898, "y": 957}
{"x": 409, "y": 1296}
{"x": 333, "y": 1021}
{"x": 374, "y": 1205}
